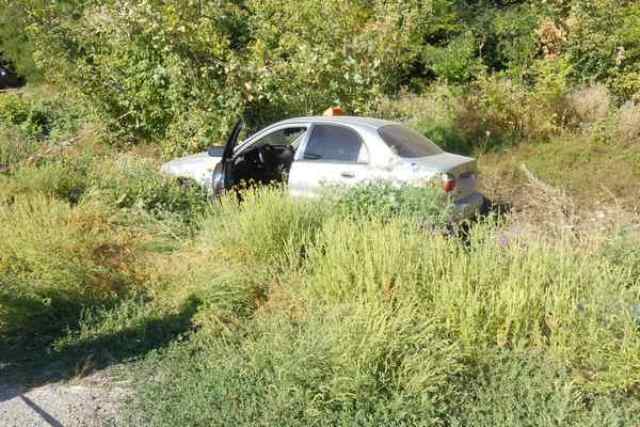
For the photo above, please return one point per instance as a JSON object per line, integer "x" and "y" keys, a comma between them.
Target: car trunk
{"x": 461, "y": 170}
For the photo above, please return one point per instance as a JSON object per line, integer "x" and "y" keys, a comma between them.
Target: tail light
{"x": 448, "y": 183}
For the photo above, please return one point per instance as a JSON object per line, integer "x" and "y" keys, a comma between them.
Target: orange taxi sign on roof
{"x": 333, "y": 111}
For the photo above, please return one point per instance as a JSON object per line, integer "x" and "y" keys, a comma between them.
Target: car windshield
{"x": 407, "y": 143}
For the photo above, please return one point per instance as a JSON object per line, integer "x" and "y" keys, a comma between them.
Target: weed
{"x": 14, "y": 148}
{"x": 428, "y": 206}
{"x": 127, "y": 182}
{"x": 52, "y": 265}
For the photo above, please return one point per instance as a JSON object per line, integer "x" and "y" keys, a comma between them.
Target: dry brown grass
{"x": 542, "y": 212}
{"x": 589, "y": 105}
{"x": 628, "y": 125}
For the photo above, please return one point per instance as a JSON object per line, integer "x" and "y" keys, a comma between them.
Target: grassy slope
{"x": 593, "y": 172}
{"x": 286, "y": 313}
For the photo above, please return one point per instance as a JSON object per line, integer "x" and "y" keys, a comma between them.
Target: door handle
{"x": 348, "y": 175}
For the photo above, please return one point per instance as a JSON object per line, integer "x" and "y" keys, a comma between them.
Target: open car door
{"x": 221, "y": 178}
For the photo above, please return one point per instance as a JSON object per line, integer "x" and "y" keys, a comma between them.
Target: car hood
{"x": 198, "y": 167}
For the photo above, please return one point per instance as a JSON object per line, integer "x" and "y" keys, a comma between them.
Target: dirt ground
{"x": 95, "y": 400}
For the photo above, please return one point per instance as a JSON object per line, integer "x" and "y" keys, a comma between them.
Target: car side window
{"x": 337, "y": 143}
{"x": 286, "y": 136}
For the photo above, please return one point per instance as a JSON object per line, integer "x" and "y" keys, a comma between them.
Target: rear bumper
{"x": 468, "y": 207}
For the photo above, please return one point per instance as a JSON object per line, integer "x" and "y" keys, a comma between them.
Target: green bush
{"x": 37, "y": 117}
{"x": 182, "y": 73}
{"x": 622, "y": 250}
{"x": 313, "y": 371}
{"x": 128, "y": 182}
{"x": 457, "y": 62}
{"x": 603, "y": 43}
{"x": 188, "y": 71}
{"x": 510, "y": 42}
{"x": 523, "y": 389}
{"x": 75, "y": 226}
{"x": 426, "y": 205}
{"x": 65, "y": 179}
{"x": 323, "y": 371}
{"x": 498, "y": 111}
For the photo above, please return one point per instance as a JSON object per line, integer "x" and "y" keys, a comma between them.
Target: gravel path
{"x": 91, "y": 401}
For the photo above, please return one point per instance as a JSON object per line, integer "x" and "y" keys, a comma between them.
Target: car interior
{"x": 268, "y": 160}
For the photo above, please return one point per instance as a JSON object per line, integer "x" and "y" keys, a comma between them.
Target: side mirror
{"x": 215, "y": 151}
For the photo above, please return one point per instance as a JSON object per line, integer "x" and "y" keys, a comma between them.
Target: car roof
{"x": 345, "y": 120}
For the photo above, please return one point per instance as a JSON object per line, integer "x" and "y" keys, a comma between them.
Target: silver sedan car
{"x": 310, "y": 153}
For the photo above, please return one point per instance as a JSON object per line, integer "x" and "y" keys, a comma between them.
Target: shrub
{"x": 495, "y": 112}
{"x": 498, "y": 111}
{"x": 38, "y": 118}
{"x": 132, "y": 186}
{"x": 160, "y": 69}
{"x": 127, "y": 182}
{"x": 603, "y": 43}
{"x": 435, "y": 104}
{"x": 65, "y": 179}
{"x": 518, "y": 388}
{"x": 622, "y": 250}
{"x": 508, "y": 37}
{"x": 182, "y": 75}
{"x": 74, "y": 225}
{"x": 268, "y": 227}
{"x": 427, "y": 205}
{"x": 457, "y": 62}
{"x": 317, "y": 371}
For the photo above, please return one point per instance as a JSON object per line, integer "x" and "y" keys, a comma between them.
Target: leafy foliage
{"x": 38, "y": 118}
{"x": 181, "y": 73}
{"x": 55, "y": 261}
{"x": 426, "y": 205}
{"x": 186, "y": 71}
{"x": 603, "y": 43}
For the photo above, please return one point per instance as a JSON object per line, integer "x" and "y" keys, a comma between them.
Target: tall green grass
{"x": 79, "y": 231}
{"x": 54, "y": 261}
{"x": 346, "y": 320}
{"x": 347, "y": 311}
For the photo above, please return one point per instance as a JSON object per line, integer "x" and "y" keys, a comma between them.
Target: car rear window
{"x": 407, "y": 143}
